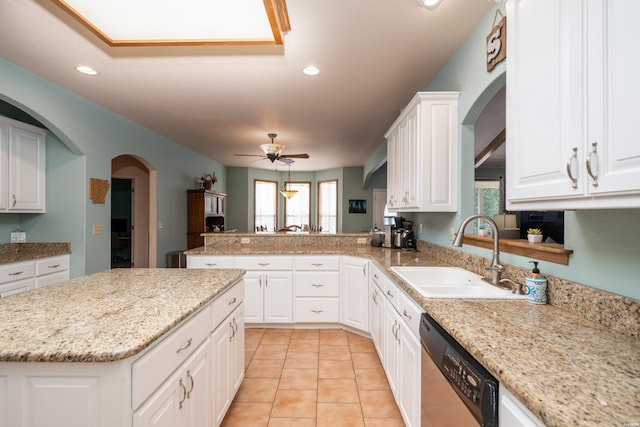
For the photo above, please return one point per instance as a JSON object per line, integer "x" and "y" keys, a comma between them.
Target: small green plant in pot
{"x": 534, "y": 235}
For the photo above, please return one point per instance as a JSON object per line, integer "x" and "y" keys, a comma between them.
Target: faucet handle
{"x": 518, "y": 288}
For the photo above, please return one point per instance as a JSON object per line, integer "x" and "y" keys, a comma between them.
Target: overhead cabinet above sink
{"x": 422, "y": 155}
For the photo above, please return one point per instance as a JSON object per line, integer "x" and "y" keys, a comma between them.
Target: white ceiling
{"x": 220, "y": 100}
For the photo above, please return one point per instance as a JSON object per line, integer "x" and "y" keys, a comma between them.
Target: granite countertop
{"x": 105, "y": 316}
{"x": 17, "y": 252}
{"x": 566, "y": 369}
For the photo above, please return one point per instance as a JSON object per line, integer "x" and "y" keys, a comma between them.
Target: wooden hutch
{"x": 205, "y": 212}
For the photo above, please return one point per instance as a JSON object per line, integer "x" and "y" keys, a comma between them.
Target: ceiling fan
{"x": 273, "y": 152}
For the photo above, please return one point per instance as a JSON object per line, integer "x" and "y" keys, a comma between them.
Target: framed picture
{"x": 357, "y": 206}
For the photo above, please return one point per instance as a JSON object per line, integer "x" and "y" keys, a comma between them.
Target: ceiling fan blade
{"x": 284, "y": 160}
{"x": 295, "y": 156}
{"x": 251, "y": 155}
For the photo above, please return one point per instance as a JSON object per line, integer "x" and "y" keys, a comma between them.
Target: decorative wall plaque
{"x": 497, "y": 42}
{"x": 98, "y": 189}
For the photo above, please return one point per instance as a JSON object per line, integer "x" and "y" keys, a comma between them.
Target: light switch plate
{"x": 97, "y": 229}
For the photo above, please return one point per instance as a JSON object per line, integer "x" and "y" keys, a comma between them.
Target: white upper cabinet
{"x": 422, "y": 155}
{"x": 572, "y": 93}
{"x": 22, "y": 167}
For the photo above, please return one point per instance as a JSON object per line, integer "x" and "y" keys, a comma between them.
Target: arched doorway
{"x": 133, "y": 223}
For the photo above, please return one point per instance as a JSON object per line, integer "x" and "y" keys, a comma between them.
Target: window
{"x": 297, "y": 210}
{"x": 328, "y": 206}
{"x": 265, "y": 205}
{"x": 487, "y": 197}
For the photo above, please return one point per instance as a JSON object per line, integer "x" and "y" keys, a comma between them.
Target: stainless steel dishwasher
{"x": 456, "y": 389}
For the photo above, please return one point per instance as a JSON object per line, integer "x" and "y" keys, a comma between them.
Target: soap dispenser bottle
{"x": 536, "y": 285}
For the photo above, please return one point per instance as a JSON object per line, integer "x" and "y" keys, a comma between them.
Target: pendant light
{"x": 286, "y": 192}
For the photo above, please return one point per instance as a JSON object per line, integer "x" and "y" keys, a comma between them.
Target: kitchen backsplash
{"x": 616, "y": 312}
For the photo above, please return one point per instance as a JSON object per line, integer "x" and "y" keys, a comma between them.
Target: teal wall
{"x": 605, "y": 241}
{"x": 83, "y": 139}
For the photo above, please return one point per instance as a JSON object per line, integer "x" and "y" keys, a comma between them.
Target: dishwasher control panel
{"x": 461, "y": 374}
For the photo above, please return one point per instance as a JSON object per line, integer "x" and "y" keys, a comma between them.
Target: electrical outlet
{"x": 245, "y": 240}
{"x": 362, "y": 240}
{"x": 420, "y": 228}
{"x": 452, "y": 234}
{"x": 160, "y": 225}
{"x": 97, "y": 229}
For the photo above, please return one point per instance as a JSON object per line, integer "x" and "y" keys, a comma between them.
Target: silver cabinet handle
{"x": 374, "y": 297}
{"x": 407, "y": 315}
{"x": 317, "y": 311}
{"x": 574, "y": 156}
{"x": 211, "y": 264}
{"x": 15, "y": 200}
{"x": 317, "y": 264}
{"x": 317, "y": 285}
{"x": 375, "y": 275}
{"x": 184, "y": 347}
{"x": 589, "y": 169}
{"x": 184, "y": 394}
{"x": 54, "y": 266}
{"x": 232, "y": 301}
{"x": 364, "y": 269}
{"x": 390, "y": 294}
{"x": 260, "y": 281}
{"x": 192, "y": 384}
{"x": 16, "y": 273}
{"x": 264, "y": 264}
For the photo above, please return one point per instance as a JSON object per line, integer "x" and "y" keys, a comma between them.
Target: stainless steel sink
{"x": 451, "y": 282}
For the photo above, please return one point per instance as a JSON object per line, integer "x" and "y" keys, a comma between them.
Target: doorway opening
{"x": 133, "y": 213}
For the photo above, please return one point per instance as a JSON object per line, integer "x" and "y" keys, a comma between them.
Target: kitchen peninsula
{"x": 103, "y": 349}
{"x": 573, "y": 361}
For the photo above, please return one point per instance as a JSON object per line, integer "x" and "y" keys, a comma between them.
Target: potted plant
{"x": 534, "y": 235}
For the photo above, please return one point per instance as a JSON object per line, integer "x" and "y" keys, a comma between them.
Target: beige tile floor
{"x": 318, "y": 378}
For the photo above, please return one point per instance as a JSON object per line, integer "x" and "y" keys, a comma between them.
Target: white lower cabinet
{"x": 227, "y": 349}
{"x": 183, "y": 399}
{"x": 376, "y": 318}
{"x": 401, "y": 356}
{"x": 316, "y": 282}
{"x": 268, "y": 288}
{"x": 512, "y": 413}
{"x": 354, "y": 287}
{"x": 23, "y": 276}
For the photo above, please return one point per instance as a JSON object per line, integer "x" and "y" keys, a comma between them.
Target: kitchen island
{"x": 97, "y": 350}
{"x": 562, "y": 360}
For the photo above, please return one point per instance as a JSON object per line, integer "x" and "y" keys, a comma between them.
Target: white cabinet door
{"x": 512, "y": 413}
{"x": 278, "y": 297}
{"x": 227, "y": 343}
{"x": 422, "y": 155}
{"x": 197, "y": 371}
{"x": 26, "y": 170}
{"x": 253, "y": 297}
{"x": 161, "y": 410}
{"x": 569, "y": 87}
{"x": 354, "y": 286}
{"x": 409, "y": 373}
{"x": 391, "y": 353}
{"x": 376, "y": 318}
{"x": 4, "y": 167}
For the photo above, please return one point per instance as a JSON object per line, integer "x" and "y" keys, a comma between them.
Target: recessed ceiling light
{"x": 84, "y": 69}
{"x": 428, "y": 3}
{"x": 311, "y": 70}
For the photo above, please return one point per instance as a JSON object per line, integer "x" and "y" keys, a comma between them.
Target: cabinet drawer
{"x": 52, "y": 279}
{"x": 410, "y": 313}
{"x": 52, "y": 265}
{"x": 317, "y": 310}
{"x": 150, "y": 370}
{"x": 392, "y": 292}
{"x": 17, "y": 271}
{"x": 317, "y": 284}
{"x": 224, "y": 304}
{"x": 266, "y": 262}
{"x": 377, "y": 276}
{"x": 209, "y": 261}
{"x": 16, "y": 287}
{"x": 313, "y": 263}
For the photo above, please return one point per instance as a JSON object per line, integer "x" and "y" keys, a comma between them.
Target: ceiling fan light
{"x": 272, "y": 148}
